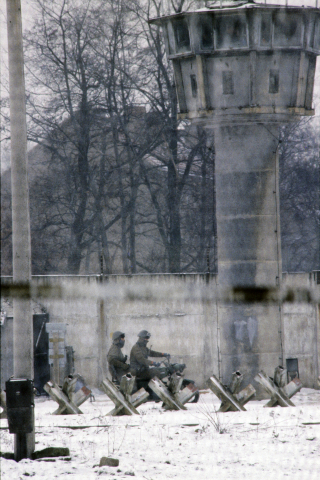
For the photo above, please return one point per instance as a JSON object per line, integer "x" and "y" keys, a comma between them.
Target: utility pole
{"x": 21, "y": 239}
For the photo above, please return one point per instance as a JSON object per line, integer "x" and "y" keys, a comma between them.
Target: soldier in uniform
{"x": 139, "y": 363}
{"x": 116, "y": 360}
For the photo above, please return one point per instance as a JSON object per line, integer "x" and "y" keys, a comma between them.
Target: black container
{"x": 20, "y": 405}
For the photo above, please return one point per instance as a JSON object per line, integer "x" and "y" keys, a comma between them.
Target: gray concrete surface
{"x": 208, "y": 339}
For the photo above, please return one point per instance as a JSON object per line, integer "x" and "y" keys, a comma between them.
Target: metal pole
{"x": 21, "y": 243}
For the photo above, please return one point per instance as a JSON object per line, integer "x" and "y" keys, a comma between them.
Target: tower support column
{"x": 249, "y": 244}
{"x": 247, "y": 199}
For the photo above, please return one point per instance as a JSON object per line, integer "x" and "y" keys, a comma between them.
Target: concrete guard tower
{"x": 243, "y": 69}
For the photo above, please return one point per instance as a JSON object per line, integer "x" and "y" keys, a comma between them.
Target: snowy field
{"x": 261, "y": 443}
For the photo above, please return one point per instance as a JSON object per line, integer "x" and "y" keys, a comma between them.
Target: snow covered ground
{"x": 261, "y": 443}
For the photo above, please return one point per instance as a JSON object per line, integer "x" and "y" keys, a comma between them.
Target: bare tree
{"x": 179, "y": 148}
{"x": 299, "y": 195}
{"x": 83, "y": 111}
{"x": 102, "y": 158}
{"x": 60, "y": 62}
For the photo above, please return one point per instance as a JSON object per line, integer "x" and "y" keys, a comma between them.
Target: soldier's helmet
{"x": 117, "y": 335}
{"x": 144, "y": 334}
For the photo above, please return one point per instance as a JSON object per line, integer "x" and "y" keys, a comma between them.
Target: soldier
{"x": 116, "y": 360}
{"x": 139, "y": 363}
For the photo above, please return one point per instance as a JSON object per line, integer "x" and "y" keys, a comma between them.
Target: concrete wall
{"x": 301, "y": 332}
{"x": 186, "y": 326}
{"x": 186, "y": 330}
{"x": 250, "y": 340}
{"x": 246, "y": 171}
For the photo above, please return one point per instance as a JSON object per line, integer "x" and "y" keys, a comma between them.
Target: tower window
{"x": 181, "y": 32}
{"x": 316, "y": 43}
{"x": 206, "y": 29}
{"x": 265, "y": 31}
{"x": 231, "y": 32}
{"x": 287, "y": 30}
